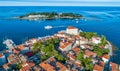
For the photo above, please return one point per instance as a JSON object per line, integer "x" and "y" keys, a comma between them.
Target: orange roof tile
{"x": 62, "y": 33}
{"x": 61, "y": 66}
{"x": 114, "y": 66}
{"x": 77, "y": 64}
{"x": 65, "y": 44}
{"x": 21, "y": 47}
{"x": 47, "y": 66}
{"x": 1, "y": 55}
{"x": 15, "y": 51}
{"x": 71, "y": 27}
{"x": 89, "y": 53}
{"x": 52, "y": 59}
{"x": 71, "y": 56}
{"x": 76, "y": 49}
{"x": 97, "y": 68}
{"x": 27, "y": 66}
{"x": 78, "y": 37}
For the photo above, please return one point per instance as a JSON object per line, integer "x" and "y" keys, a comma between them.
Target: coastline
{"x": 110, "y": 48}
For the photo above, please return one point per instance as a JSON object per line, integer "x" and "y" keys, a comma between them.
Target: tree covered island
{"x": 50, "y": 15}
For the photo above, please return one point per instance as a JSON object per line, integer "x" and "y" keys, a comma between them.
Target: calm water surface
{"x": 107, "y": 23}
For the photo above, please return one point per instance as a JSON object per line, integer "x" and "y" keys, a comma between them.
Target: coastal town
{"x": 68, "y": 50}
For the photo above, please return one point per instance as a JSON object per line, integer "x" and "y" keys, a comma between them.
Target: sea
{"x": 103, "y": 20}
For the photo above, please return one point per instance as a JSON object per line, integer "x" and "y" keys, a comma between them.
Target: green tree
{"x": 43, "y": 57}
{"x": 100, "y": 51}
{"x": 103, "y": 40}
{"x": 19, "y": 66}
{"x": 88, "y": 35}
{"x": 88, "y": 64}
{"x": 37, "y": 46}
{"x": 80, "y": 56}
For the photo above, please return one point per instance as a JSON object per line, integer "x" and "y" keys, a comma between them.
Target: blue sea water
{"x": 107, "y": 23}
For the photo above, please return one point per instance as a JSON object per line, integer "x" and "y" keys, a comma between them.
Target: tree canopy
{"x": 19, "y": 66}
{"x": 48, "y": 47}
{"x": 100, "y": 51}
{"x": 88, "y": 35}
{"x": 86, "y": 62}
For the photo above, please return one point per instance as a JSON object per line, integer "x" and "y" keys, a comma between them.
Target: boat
{"x": 9, "y": 43}
{"x": 77, "y": 21}
{"x": 48, "y": 27}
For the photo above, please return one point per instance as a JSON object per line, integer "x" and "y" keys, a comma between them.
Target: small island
{"x": 49, "y": 16}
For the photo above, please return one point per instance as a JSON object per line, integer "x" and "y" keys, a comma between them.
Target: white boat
{"x": 48, "y": 27}
{"x": 77, "y": 21}
{"x": 9, "y": 43}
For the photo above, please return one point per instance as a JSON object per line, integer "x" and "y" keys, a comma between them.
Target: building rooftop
{"x": 71, "y": 27}
{"x": 114, "y": 66}
{"x": 89, "y": 53}
{"x": 21, "y": 47}
{"x": 1, "y": 55}
{"x": 97, "y": 68}
{"x": 106, "y": 56}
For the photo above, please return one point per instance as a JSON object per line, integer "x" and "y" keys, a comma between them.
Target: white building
{"x": 65, "y": 46}
{"x": 60, "y": 34}
{"x": 33, "y": 40}
{"x": 83, "y": 41}
{"x": 96, "y": 40}
{"x": 105, "y": 58}
{"x": 72, "y": 30}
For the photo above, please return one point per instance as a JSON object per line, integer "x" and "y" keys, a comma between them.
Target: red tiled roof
{"x": 114, "y": 66}
{"x": 65, "y": 44}
{"x": 97, "y": 68}
{"x": 27, "y": 66}
{"x": 61, "y": 66}
{"x": 78, "y": 37}
{"x": 46, "y": 66}
{"x": 1, "y": 55}
{"x": 76, "y": 49}
{"x": 21, "y": 47}
{"x": 71, "y": 27}
{"x": 77, "y": 64}
{"x": 71, "y": 56}
{"x": 89, "y": 53}
{"x": 15, "y": 51}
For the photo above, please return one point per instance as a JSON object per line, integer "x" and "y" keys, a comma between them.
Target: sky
{"x": 59, "y": 2}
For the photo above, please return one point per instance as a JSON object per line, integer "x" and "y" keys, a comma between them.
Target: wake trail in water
{"x": 58, "y": 26}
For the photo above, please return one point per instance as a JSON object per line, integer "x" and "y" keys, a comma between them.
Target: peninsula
{"x": 69, "y": 50}
{"x": 49, "y": 16}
